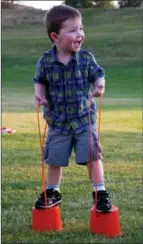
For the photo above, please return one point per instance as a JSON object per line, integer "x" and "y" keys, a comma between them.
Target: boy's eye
{"x": 81, "y": 28}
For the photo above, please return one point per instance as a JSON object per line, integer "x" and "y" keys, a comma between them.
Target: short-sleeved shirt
{"x": 68, "y": 89}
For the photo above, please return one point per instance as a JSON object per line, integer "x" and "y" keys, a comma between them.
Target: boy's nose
{"x": 80, "y": 33}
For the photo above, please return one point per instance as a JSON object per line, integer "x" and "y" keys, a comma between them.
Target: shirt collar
{"x": 55, "y": 59}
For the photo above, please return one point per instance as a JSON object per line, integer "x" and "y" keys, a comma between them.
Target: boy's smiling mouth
{"x": 78, "y": 43}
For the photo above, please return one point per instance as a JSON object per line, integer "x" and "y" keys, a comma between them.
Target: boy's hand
{"x": 39, "y": 100}
{"x": 98, "y": 91}
{"x": 99, "y": 87}
{"x": 40, "y": 94}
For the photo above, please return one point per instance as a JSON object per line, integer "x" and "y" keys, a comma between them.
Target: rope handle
{"x": 98, "y": 144}
{"x": 41, "y": 142}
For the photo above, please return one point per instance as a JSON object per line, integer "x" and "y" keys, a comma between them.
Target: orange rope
{"x": 91, "y": 146}
{"x": 90, "y": 140}
{"x": 42, "y": 154}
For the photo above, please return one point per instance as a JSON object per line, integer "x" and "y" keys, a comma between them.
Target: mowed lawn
{"x": 115, "y": 39}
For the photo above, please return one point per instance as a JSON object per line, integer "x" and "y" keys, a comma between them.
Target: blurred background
{"x": 76, "y": 3}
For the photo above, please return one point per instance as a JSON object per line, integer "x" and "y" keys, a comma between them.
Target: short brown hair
{"x": 57, "y": 15}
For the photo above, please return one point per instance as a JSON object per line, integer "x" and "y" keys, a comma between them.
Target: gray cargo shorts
{"x": 58, "y": 147}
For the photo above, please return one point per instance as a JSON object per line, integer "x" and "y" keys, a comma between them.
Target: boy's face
{"x": 71, "y": 36}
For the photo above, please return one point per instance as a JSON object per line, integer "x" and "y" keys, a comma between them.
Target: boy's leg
{"x": 54, "y": 176}
{"x": 57, "y": 150}
{"x": 97, "y": 184}
{"x": 53, "y": 196}
{"x": 100, "y": 195}
{"x": 82, "y": 149}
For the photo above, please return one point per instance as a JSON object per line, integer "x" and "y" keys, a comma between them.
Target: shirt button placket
{"x": 66, "y": 91}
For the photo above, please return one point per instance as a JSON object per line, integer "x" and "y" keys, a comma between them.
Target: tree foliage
{"x": 78, "y": 4}
{"x": 7, "y": 3}
{"x": 87, "y": 4}
{"x": 103, "y": 3}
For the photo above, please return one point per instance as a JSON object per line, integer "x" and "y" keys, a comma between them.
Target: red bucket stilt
{"x": 46, "y": 219}
{"x": 107, "y": 224}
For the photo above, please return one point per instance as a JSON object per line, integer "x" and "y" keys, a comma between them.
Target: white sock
{"x": 98, "y": 187}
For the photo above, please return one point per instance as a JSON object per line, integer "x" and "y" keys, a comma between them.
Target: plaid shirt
{"x": 68, "y": 89}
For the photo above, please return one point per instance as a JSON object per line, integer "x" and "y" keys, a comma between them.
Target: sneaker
{"x": 103, "y": 201}
{"x": 53, "y": 199}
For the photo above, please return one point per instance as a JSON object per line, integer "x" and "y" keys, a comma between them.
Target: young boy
{"x": 66, "y": 78}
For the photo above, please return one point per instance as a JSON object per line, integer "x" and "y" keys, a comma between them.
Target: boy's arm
{"x": 40, "y": 98}
{"x": 99, "y": 87}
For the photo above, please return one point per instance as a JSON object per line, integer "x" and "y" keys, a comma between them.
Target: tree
{"x": 87, "y": 4}
{"x": 72, "y": 3}
{"x": 7, "y": 3}
{"x": 79, "y": 4}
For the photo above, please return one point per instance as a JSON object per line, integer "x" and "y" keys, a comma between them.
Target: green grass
{"x": 115, "y": 38}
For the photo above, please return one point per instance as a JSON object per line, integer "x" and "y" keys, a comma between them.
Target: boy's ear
{"x": 54, "y": 36}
